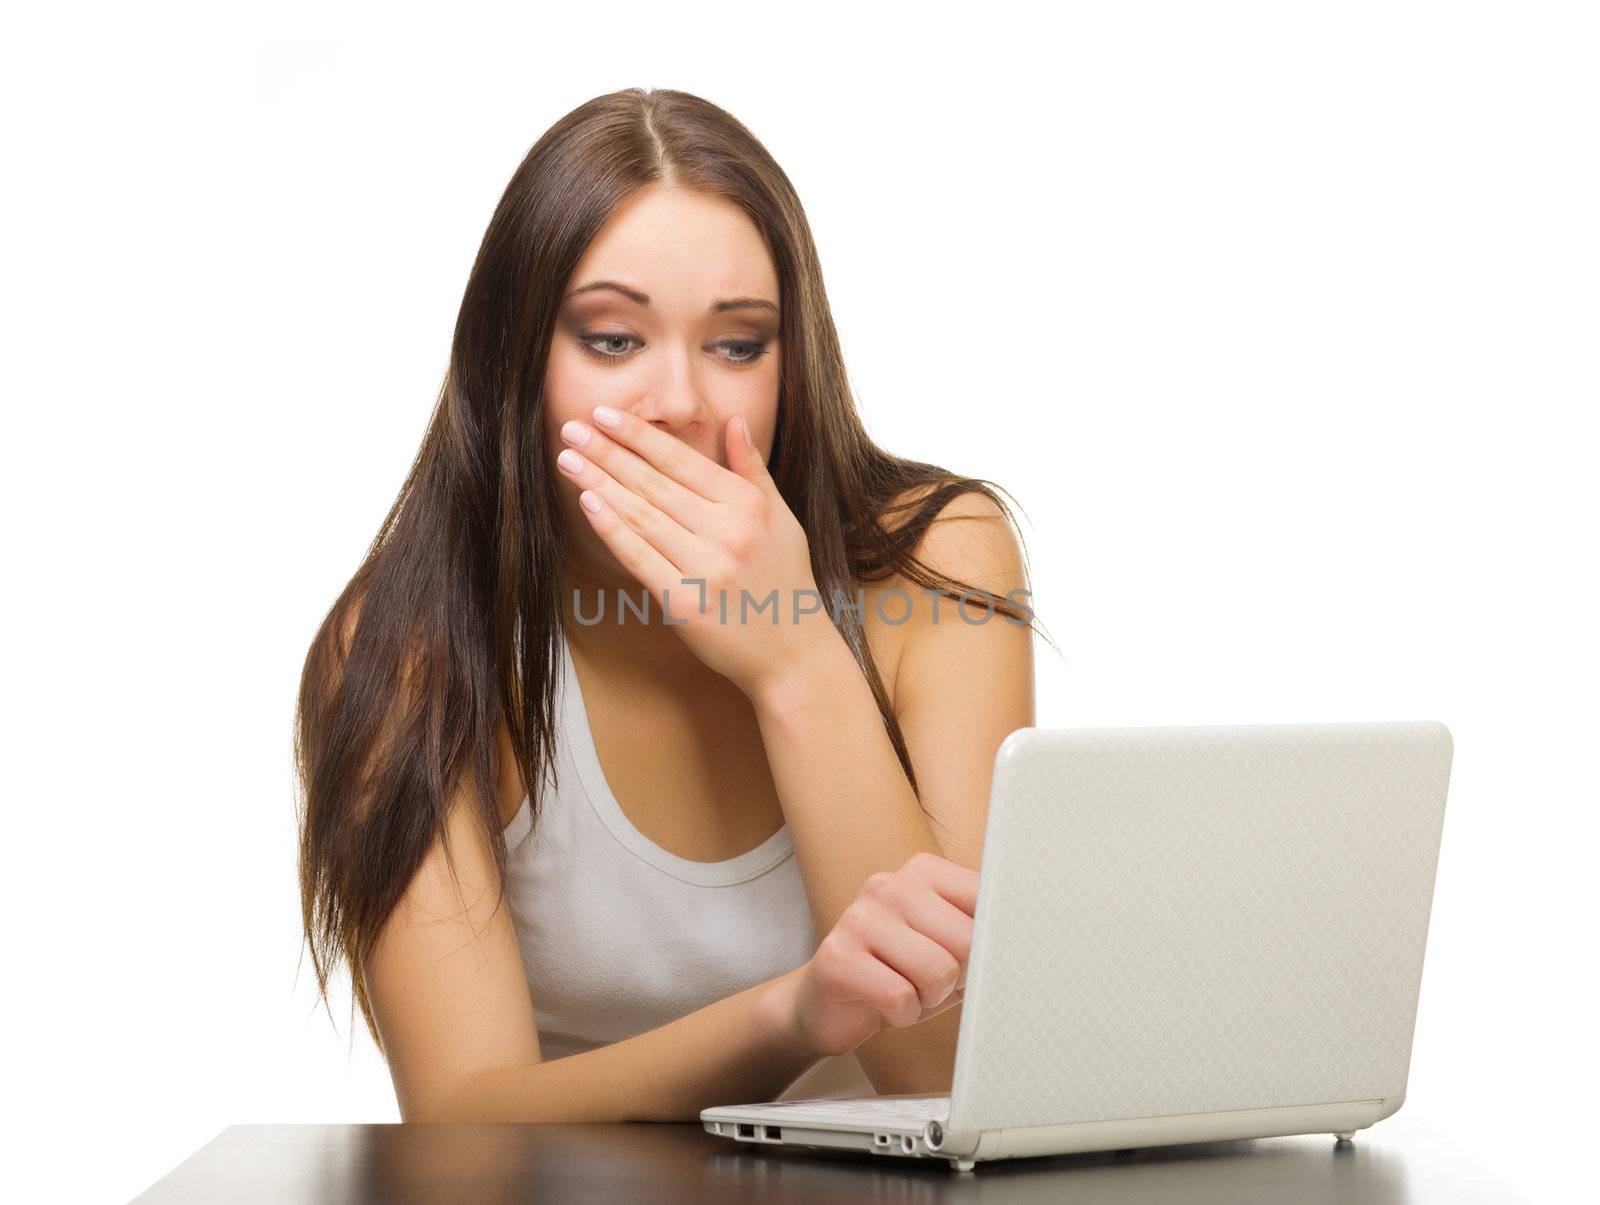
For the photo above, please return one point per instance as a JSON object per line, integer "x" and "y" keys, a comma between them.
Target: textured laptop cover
{"x": 1234, "y": 918}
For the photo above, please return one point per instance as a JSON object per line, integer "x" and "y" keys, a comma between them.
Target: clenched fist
{"x": 897, "y": 956}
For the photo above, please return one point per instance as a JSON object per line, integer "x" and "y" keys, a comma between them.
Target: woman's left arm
{"x": 961, "y": 685}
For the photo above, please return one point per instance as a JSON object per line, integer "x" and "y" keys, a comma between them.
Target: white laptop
{"x": 1183, "y": 934}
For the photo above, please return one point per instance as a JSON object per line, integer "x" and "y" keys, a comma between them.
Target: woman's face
{"x": 685, "y": 335}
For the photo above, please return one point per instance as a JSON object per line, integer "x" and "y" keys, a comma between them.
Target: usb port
{"x": 775, "y": 1133}
{"x": 746, "y": 1130}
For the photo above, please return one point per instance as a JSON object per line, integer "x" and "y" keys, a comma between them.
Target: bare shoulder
{"x": 970, "y": 540}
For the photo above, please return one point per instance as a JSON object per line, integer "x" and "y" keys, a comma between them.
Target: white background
{"x": 1279, "y": 320}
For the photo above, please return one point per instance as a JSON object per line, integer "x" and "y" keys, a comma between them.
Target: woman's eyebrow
{"x": 717, "y": 307}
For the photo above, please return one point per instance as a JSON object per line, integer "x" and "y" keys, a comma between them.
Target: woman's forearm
{"x": 845, "y": 796}
{"x": 736, "y": 1051}
{"x": 852, "y": 812}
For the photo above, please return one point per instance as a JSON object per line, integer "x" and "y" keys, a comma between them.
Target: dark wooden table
{"x": 1397, "y": 1161}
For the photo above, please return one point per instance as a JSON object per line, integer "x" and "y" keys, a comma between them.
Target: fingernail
{"x": 591, "y": 501}
{"x": 575, "y": 432}
{"x": 606, "y": 416}
{"x": 570, "y": 460}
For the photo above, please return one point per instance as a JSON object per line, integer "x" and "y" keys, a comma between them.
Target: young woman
{"x": 648, "y": 558}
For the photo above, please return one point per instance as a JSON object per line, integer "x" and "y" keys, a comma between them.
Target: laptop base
{"x": 964, "y": 1149}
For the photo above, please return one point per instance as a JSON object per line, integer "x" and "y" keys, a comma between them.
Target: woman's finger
{"x": 633, "y": 552}
{"x": 685, "y": 479}
{"x": 850, "y": 973}
{"x": 955, "y": 882}
{"x": 894, "y": 996}
{"x": 679, "y": 548}
{"x": 930, "y": 913}
{"x": 927, "y": 965}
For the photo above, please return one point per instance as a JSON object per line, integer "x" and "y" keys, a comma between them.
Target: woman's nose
{"x": 674, "y": 400}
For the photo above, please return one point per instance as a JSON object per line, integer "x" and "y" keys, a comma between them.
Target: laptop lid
{"x": 1199, "y": 919}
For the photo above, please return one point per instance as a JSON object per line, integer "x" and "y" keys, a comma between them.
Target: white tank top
{"x": 619, "y": 936}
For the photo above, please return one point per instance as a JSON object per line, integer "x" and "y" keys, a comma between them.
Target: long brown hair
{"x": 456, "y": 605}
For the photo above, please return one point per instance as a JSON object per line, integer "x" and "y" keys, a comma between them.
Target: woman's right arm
{"x": 451, "y": 1002}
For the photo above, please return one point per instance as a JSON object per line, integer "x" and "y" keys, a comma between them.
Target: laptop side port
{"x": 908, "y": 1144}
{"x": 747, "y": 1129}
{"x": 773, "y": 1133}
{"x": 880, "y": 1140}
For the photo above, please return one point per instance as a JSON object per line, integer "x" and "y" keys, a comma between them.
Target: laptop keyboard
{"x": 869, "y": 1108}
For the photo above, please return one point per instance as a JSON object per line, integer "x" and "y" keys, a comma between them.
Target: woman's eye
{"x": 604, "y": 346}
{"x": 589, "y": 341}
{"x": 750, "y": 350}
